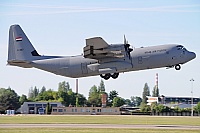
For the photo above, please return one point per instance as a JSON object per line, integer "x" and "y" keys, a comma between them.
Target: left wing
{"x": 97, "y": 48}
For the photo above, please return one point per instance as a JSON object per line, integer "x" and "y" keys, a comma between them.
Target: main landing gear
{"x": 108, "y": 75}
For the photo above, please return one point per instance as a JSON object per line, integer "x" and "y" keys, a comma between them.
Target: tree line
{"x": 9, "y": 99}
{"x": 155, "y": 108}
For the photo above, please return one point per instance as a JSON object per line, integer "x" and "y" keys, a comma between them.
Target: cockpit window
{"x": 179, "y": 47}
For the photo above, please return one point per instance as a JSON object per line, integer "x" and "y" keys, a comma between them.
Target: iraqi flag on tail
{"x": 19, "y": 38}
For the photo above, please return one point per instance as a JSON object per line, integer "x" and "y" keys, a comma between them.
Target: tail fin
{"x": 20, "y": 49}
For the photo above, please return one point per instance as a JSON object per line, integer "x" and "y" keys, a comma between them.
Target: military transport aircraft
{"x": 99, "y": 57}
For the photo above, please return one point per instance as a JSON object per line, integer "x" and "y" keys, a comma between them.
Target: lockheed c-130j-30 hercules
{"x": 99, "y": 58}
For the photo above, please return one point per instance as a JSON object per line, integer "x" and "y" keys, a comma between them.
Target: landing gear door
{"x": 84, "y": 68}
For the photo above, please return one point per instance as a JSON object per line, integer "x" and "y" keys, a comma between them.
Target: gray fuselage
{"x": 99, "y": 58}
{"x": 140, "y": 59}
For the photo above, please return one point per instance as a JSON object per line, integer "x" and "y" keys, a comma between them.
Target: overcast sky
{"x": 61, "y": 27}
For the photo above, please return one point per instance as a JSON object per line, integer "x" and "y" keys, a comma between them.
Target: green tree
{"x": 145, "y": 93}
{"x": 101, "y": 87}
{"x": 94, "y": 97}
{"x": 127, "y": 101}
{"x": 160, "y": 108}
{"x": 8, "y": 99}
{"x": 81, "y": 99}
{"x": 187, "y": 109}
{"x": 63, "y": 86}
{"x": 33, "y": 93}
{"x": 133, "y": 99}
{"x": 43, "y": 89}
{"x": 177, "y": 109}
{"x": 71, "y": 97}
{"x": 112, "y": 95}
{"x": 48, "y": 109}
{"x": 155, "y": 92}
{"x": 197, "y": 108}
{"x": 63, "y": 98}
{"x": 136, "y": 100}
{"x": 154, "y": 107}
{"x": 77, "y": 105}
{"x": 30, "y": 94}
{"x": 118, "y": 101}
{"x": 144, "y": 108}
{"x": 23, "y": 99}
{"x": 48, "y": 95}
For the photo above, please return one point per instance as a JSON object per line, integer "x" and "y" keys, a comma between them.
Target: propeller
{"x": 125, "y": 42}
{"x": 127, "y": 46}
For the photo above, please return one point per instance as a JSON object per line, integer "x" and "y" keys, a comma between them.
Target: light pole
{"x": 192, "y": 80}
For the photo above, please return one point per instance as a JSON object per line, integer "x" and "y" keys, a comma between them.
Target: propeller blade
{"x": 124, "y": 40}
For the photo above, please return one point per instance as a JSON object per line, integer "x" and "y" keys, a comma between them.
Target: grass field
{"x": 70, "y": 119}
{"x": 92, "y": 130}
{"x": 120, "y": 119}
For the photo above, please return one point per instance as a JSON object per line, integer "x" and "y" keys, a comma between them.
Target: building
{"x": 104, "y": 99}
{"x": 85, "y": 111}
{"x": 151, "y": 100}
{"x": 33, "y": 107}
{"x": 178, "y": 100}
{"x": 173, "y": 101}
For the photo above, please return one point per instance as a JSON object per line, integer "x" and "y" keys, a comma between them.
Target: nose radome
{"x": 192, "y": 55}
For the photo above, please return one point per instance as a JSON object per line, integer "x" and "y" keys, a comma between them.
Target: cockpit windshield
{"x": 179, "y": 47}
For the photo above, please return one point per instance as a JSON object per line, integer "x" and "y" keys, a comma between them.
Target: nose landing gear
{"x": 177, "y": 67}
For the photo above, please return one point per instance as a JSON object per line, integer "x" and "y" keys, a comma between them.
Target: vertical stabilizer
{"x": 20, "y": 48}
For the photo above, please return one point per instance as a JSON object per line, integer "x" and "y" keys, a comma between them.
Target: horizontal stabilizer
{"x": 25, "y": 64}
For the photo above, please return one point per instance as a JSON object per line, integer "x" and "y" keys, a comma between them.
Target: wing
{"x": 97, "y": 48}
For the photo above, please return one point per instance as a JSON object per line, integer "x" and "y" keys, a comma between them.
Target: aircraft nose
{"x": 192, "y": 55}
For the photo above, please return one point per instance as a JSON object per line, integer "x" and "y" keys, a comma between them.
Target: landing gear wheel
{"x": 177, "y": 67}
{"x": 102, "y": 76}
{"x": 115, "y": 75}
{"x": 107, "y": 76}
